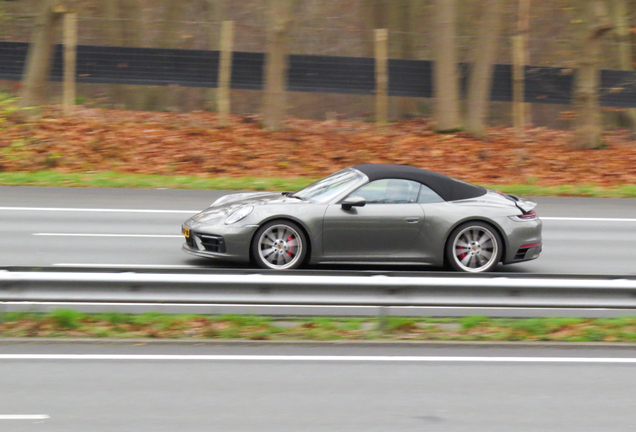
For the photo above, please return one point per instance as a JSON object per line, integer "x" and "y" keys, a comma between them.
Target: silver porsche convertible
{"x": 371, "y": 213}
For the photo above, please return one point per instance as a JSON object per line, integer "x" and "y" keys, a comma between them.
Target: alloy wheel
{"x": 475, "y": 249}
{"x": 280, "y": 247}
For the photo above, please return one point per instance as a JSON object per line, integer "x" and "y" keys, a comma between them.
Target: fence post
{"x": 520, "y": 110}
{"x": 381, "y": 76}
{"x": 70, "y": 60}
{"x": 518, "y": 83}
{"x": 225, "y": 73}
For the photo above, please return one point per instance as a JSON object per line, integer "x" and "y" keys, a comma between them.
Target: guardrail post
{"x": 382, "y": 319}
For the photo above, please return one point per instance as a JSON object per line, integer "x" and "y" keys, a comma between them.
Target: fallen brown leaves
{"x": 191, "y": 144}
{"x": 166, "y": 327}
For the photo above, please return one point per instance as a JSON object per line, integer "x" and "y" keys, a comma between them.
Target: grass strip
{"x": 70, "y": 323}
{"x": 112, "y": 179}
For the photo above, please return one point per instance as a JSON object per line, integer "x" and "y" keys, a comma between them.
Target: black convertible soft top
{"x": 448, "y": 188}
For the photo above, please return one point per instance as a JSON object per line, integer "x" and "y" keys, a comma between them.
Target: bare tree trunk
{"x": 401, "y": 31}
{"x": 113, "y": 27}
{"x": 587, "y": 132}
{"x": 624, "y": 48}
{"x": 276, "y": 65}
{"x": 481, "y": 73}
{"x": 216, "y": 13}
{"x": 445, "y": 69}
{"x": 115, "y": 37}
{"x": 125, "y": 29}
{"x": 158, "y": 98}
{"x": 38, "y": 63}
{"x": 132, "y": 31}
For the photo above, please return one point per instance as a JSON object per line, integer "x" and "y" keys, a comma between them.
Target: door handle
{"x": 412, "y": 219}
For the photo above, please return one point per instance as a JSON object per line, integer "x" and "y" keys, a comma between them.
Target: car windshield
{"x": 326, "y": 189}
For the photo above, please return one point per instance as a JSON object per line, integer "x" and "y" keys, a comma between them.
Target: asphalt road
{"x": 124, "y": 227}
{"x": 315, "y": 388}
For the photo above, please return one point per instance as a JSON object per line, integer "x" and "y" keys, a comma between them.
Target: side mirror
{"x": 353, "y": 201}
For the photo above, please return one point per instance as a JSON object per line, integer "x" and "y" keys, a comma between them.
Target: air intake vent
{"x": 212, "y": 243}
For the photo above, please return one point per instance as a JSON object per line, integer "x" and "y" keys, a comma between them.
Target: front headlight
{"x": 241, "y": 213}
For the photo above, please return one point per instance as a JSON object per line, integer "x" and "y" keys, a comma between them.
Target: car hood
{"x": 228, "y": 204}
{"x": 255, "y": 199}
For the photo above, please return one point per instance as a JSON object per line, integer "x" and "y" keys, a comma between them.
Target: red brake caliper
{"x": 290, "y": 238}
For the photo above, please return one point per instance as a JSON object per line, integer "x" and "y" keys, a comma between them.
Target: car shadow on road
{"x": 346, "y": 269}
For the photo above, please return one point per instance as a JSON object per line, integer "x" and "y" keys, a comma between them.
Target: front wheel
{"x": 279, "y": 245}
{"x": 473, "y": 247}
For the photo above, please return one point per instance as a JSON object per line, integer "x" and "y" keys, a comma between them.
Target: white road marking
{"x": 126, "y": 265}
{"x": 97, "y": 210}
{"x": 578, "y": 219}
{"x": 292, "y": 358}
{"x": 108, "y": 235}
{"x": 23, "y": 417}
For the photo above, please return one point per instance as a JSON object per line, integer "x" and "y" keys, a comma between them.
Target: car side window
{"x": 389, "y": 191}
{"x": 428, "y": 196}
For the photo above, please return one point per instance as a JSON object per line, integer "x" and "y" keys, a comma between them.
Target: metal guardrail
{"x": 290, "y": 294}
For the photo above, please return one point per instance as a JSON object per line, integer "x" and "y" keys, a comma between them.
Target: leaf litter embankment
{"x": 69, "y": 323}
{"x": 96, "y": 140}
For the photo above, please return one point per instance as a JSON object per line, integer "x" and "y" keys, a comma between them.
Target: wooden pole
{"x": 70, "y": 57}
{"x": 225, "y": 73}
{"x": 381, "y": 76}
{"x": 518, "y": 83}
{"x": 521, "y": 110}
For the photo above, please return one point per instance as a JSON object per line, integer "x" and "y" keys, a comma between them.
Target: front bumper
{"x": 224, "y": 242}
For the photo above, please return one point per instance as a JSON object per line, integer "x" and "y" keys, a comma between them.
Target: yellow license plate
{"x": 185, "y": 231}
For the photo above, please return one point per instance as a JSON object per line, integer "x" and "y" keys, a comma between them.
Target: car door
{"x": 389, "y": 223}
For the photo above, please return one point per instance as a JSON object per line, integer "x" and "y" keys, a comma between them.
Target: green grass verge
{"x": 118, "y": 180}
{"x": 148, "y": 181}
{"x": 590, "y": 191}
{"x": 70, "y": 323}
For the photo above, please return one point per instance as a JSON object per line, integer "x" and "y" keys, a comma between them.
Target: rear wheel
{"x": 279, "y": 245}
{"x": 473, "y": 247}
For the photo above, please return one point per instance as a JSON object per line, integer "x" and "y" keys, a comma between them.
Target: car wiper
{"x": 293, "y": 195}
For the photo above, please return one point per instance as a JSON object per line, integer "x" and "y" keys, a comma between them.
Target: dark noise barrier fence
{"x": 307, "y": 73}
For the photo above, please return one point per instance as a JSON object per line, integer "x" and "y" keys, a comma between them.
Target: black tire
{"x": 279, "y": 245}
{"x": 473, "y": 247}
